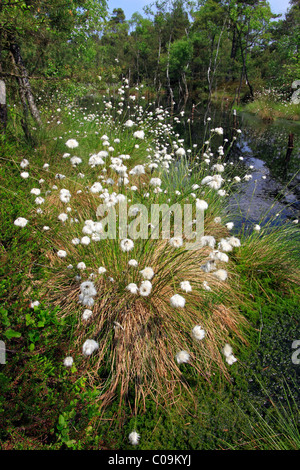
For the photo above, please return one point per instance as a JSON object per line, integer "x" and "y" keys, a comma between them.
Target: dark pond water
{"x": 273, "y": 193}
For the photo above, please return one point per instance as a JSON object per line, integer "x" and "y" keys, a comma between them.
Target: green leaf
{"x": 12, "y": 334}
{"x": 61, "y": 420}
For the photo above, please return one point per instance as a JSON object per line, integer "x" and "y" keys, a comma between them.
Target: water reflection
{"x": 274, "y": 188}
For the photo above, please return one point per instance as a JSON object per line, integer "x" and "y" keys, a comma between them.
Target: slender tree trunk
{"x": 244, "y": 68}
{"x": 3, "y": 108}
{"x": 24, "y": 84}
{"x": 186, "y": 93}
{"x": 169, "y": 81}
{"x": 156, "y": 76}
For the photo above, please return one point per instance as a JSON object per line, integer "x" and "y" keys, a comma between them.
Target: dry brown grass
{"x": 139, "y": 336}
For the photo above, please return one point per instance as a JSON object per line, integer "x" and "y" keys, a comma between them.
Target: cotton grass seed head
{"x": 126, "y": 244}
{"x": 147, "y": 273}
{"x": 87, "y": 288}
{"x": 20, "y": 222}
{"x": 182, "y": 357}
{"x": 133, "y": 288}
{"x": 61, "y": 253}
{"x": 72, "y": 143}
{"x": 87, "y": 314}
{"x": 176, "y": 242}
{"x": 145, "y": 288}
{"x": 134, "y": 438}
{"x": 177, "y": 301}
{"x": 89, "y": 346}
{"x": 186, "y": 286}
{"x": 198, "y": 333}
{"x": 68, "y": 361}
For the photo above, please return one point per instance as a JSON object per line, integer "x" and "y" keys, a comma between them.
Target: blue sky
{"x": 130, "y": 6}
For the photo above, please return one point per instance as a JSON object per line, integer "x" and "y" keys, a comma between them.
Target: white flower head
{"x": 139, "y": 134}
{"x": 201, "y": 205}
{"x": 87, "y": 314}
{"x": 20, "y": 222}
{"x": 186, "y": 286}
{"x": 221, "y": 274}
{"x": 133, "y": 288}
{"x": 68, "y": 361}
{"x": 62, "y": 217}
{"x": 81, "y": 265}
{"x": 126, "y": 244}
{"x": 64, "y": 195}
{"x": 134, "y": 438}
{"x": 72, "y": 143}
{"x": 176, "y": 242}
{"x": 61, "y": 253}
{"x": 155, "y": 182}
{"x": 182, "y": 357}
{"x": 198, "y": 333}
{"x": 133, "y": 263}
{"x": 89, "y": 346}
{"x": 147, "y": 273}
{"x": 87, "y": 288}
{"x": 145, "y": 288}
{"x": 229, "y": 357}
{"x": 177, "y": 301}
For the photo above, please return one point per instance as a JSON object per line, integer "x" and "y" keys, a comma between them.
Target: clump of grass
{"x": 138, "y": 336}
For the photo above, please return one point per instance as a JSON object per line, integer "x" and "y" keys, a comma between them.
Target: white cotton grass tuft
{"x": 68, "y": 361}
{"x": 206, "y": 286}
{"x": 81, "y": 265}
{"x": 186, "y": 286}
{"x": 224, "y": 245}
{"x": 87, "y": 288}
{"x": 61, "y": 253}
{"x": 126, "y": 244}
{"x": 177, "y": 301}
{"x": 201, "y": 205}
{"x": 134, "y": 438}
{"x": 20, "y": 222}
{"x": 89, "y": 346}
{"x": 133, "y": 288}
{"x": 147, "y": 273}
{"x": 62, "y": 217}
{"x": 182, "y": 357}
{"x": 133, "y": 263}
{"x": 86, "y": 314}
{"x": 221, "y": 274}
{"x": 257, "y": 228}
{"x": 155, "y": 182}
{"x": 217, "y": 255}
{"x": 198, "y": 333}
{"x": 72, "y": 143}
{"x": 229, "y": 357}
{"x": 145, "y": 288}
{"x": 65, "y": 195}
{"x": 139, "y": 134}
{"x": 101, "y": 270}
{"x": 234, "y": 242}
{"x": 176, "y": 242}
